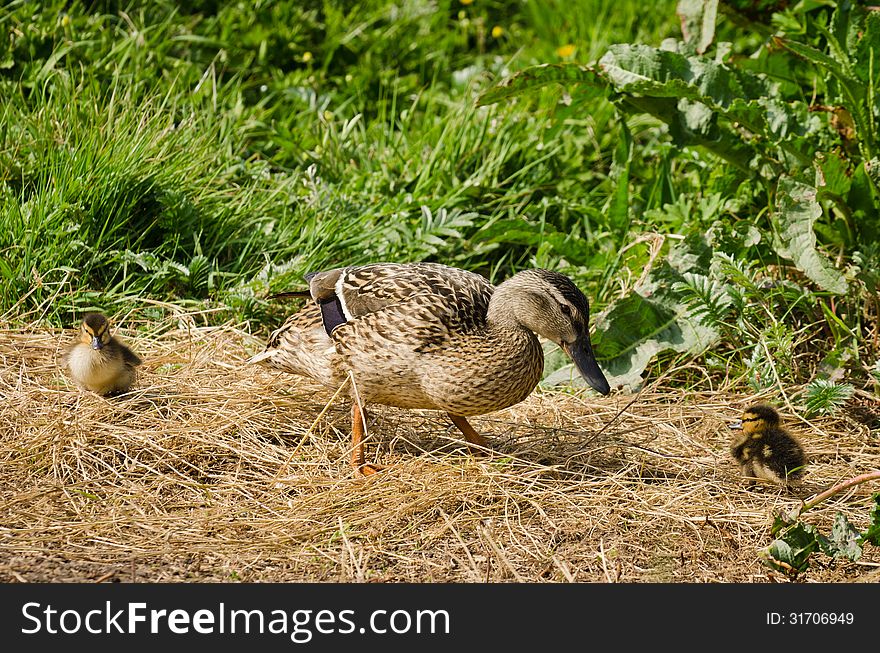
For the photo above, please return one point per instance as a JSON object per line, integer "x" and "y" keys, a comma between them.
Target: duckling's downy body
{"x": 766, "y": 450}
{"x": 99, "y": 362}
{"x": 424, "y": 335}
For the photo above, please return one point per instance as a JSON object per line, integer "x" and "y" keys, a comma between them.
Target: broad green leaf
{"x": 535, "y": 77}
{"x": 774, "y": 118}
{"x": 691, "y": 255}
{"x": 854, "y": 90}
{"x": 702, "y": 86}
{"x": 634, "y": 329}
{"x": 627, "y": 337}
{"x": 872, "y": 535}
{"x": 696, "y": 121}
{"x": 663, "y": 73}
{"x": 844, "y": 540}
{"x": 781, "y": 521}
{"x": 631, "y": 334}
{"x": 556, "y": 359}
{"x": 725, "y": 144}
{"x": 698, "y": 22}
{"x": 791, "y": 551}
{"x": 797, "y": 210}
{"x": 832, "y": 174}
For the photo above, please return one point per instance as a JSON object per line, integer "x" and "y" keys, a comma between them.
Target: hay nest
{"x": 213, "y": 470}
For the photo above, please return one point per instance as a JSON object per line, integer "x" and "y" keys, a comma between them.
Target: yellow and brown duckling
{"x": 99, "y": 362}
{"x": 764, "y": 449}
{"x": 424, "y": 335}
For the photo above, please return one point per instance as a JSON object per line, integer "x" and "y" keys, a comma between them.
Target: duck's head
{"x": 756, "y": 418}
{"x": 95, "y": 330}
{"x": 549, "y": 304}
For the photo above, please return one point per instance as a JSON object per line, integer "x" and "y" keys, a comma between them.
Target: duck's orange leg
{"x": 358, "y": 429}
{"x": 470, "y": 434}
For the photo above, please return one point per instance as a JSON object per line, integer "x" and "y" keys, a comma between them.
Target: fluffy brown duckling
{"x": 99, "y": 362}
{"x": 766, "y": 450}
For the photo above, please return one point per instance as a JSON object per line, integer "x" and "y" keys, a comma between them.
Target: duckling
{"x": 424, "y": 335}
{"x": 98, "y": 361}
{"x": 766, "y": 450}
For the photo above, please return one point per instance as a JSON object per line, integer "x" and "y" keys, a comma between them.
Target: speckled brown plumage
{"x": 424, "y": 335}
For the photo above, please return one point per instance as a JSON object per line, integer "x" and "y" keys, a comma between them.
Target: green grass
{"x": 210, "y": 156}
{"x": 217, "y": 154}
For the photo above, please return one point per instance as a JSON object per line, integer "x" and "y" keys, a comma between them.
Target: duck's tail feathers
{"x": 259, "y": 358}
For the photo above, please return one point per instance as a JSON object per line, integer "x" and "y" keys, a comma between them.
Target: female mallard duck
{"x": 424, "y": 335}
{"x": 99, "y": 362}
{"x": 766, "y": 450}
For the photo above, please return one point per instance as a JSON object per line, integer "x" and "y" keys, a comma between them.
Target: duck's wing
{"x": 411, "y": 306}
{"x": 456, "y": 298}
{"x": 128, "y": 356}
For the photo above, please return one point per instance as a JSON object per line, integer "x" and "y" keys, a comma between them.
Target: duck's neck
{"x": 517, "y": 342}
{"x": 505, "y": 311}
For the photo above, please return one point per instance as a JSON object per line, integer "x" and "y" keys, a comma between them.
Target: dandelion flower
{"x": 466, "y": 2}
{"x": 497, "y": 31}
{"x": 565, "y": 51}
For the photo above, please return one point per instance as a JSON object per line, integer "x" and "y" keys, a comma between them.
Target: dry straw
{"x": 212, "y": 470}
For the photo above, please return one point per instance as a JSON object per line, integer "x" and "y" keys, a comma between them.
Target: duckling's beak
{"x": 581, "y": 352}
{"x": 735, "y": 424}
{"x": 96, "y": 343}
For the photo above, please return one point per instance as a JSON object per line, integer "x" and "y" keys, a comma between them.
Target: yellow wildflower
{"x": 307, "y": 57}
{"x": 497, "y": 31}
{"x": 565, "y": 51}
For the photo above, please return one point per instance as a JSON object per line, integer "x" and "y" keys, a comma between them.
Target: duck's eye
{"x": 566, "y": 310}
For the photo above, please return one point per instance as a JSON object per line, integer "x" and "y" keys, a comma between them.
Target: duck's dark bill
{"x": 96, "y": 343}
{"x": 581, "y": 352}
